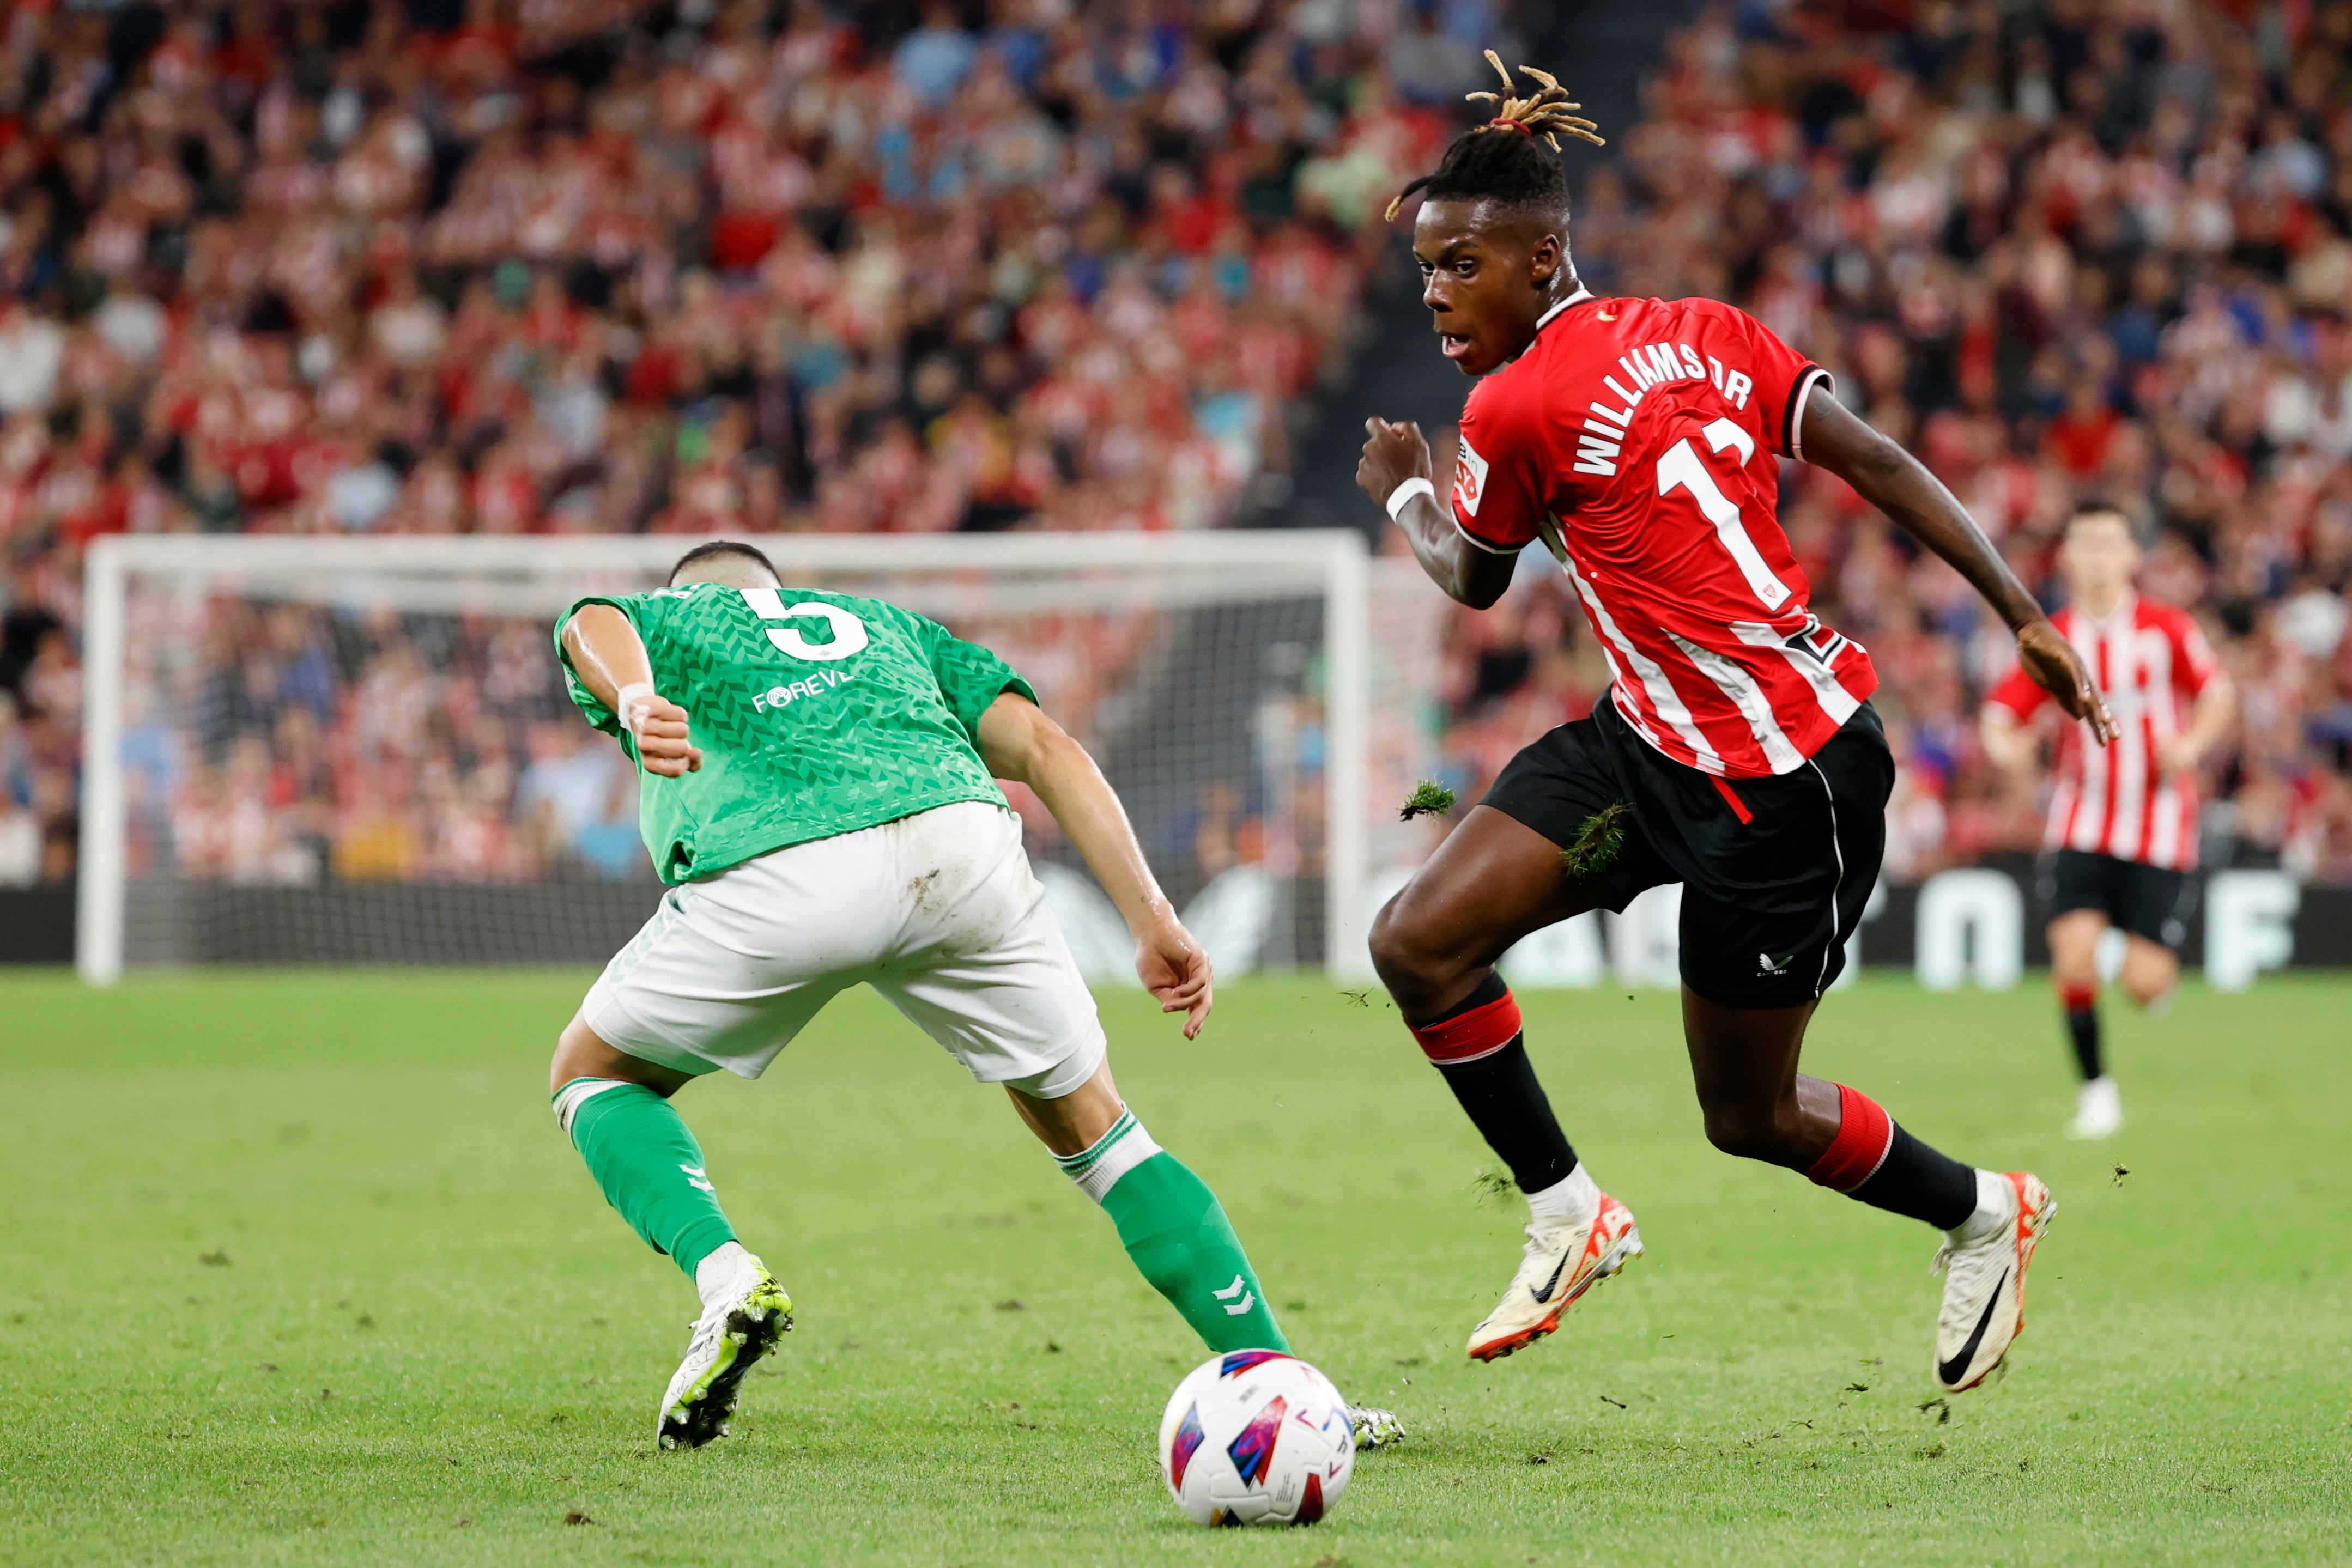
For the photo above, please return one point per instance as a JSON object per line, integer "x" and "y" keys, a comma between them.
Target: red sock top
{"x": 1865, "y": 1132}
{"x": 1466, "y": 1036}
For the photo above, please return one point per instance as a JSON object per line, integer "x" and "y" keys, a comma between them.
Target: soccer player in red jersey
{"x": 2122, "y": 838}
{"x": 1640, "y": 440}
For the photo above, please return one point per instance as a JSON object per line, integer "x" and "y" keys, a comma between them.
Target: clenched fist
{"x": 1394, "y": 452}
{"x": 660, "y": 728}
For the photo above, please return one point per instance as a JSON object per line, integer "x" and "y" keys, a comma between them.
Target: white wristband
{"x": 628, "y": 699}
{"x": 1416, "y": 485}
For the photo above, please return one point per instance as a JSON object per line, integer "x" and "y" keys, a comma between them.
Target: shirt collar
{"x": 1578, "y": 298}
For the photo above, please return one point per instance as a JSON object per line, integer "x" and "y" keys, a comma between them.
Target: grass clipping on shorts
{"x": 1428, "y": 799}
{"x": 1599, "y": 843}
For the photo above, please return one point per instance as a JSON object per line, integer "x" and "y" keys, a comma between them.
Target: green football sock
{"x": 1175, "y": 1231}
{"x": 650, "y": 1167}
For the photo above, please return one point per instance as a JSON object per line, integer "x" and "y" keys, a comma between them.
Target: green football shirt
{"x": 817, "y": 714}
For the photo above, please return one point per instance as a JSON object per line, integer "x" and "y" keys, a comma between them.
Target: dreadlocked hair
{"x": 1500, "y": 159}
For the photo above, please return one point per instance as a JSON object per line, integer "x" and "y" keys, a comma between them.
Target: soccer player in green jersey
{"x": 818, "y": 790}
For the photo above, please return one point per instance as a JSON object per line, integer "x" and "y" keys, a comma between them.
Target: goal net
{"x": 358, "y": 751}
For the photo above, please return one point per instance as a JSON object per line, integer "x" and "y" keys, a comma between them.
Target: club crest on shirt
{"x": 1469, "y": 480}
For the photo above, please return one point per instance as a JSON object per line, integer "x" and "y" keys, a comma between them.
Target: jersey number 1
{"x": 848, "y": 630}
{"x": 1681, "y": 469}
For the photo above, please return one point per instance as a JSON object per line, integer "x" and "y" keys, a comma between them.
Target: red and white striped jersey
{"x": 2151, "y": 663}
{"x": 1640, "y": 439}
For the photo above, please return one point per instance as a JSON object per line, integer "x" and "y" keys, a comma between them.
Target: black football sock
{"x": 1478, "y": 1047}
{"x": 1875, "y": 1162}
{"x": 2082, "y": 1004}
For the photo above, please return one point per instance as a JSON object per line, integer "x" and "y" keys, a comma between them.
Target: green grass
{"x": 298, "y": 1269}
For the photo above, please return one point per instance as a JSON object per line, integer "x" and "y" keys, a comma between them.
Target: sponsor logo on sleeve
{"x": 1469, "y": 480}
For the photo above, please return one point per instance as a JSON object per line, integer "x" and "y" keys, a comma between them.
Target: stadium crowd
{"x": 2081, "y": 247}
{"x": 559, "y": 266}
{"x": 562, "y": 266}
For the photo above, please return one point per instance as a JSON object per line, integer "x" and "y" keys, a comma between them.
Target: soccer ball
{"x": 1256, "y": 1437}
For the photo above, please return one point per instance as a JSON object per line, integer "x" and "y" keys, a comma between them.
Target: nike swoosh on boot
{"x": 1951, "y": 1371}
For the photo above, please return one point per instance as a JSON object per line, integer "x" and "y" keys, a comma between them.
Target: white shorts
{"x": 939, "y": 912}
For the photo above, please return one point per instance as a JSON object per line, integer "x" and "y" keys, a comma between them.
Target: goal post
{"x": 325, "y": 749}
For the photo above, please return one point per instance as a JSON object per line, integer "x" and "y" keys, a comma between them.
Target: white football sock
{"x": 1098, "y": 1168}
{"x": 1572, "y": 1196}
{"x": 720, "y": 1275}
{"x": 1996, "y": 1209}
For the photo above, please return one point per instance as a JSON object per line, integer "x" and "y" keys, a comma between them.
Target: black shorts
{"x": 2149, "y": 900}
{"x": 1774, "y": 870}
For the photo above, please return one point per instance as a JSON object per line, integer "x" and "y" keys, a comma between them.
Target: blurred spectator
{"x": 20, "y": 828}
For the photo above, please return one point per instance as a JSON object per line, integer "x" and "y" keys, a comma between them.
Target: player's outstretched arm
{"x": 1899, "y": 485}
{"x": 1395, "y": 455}
{"x": 609, "y": 659}
{"x": 1018, "y": 741}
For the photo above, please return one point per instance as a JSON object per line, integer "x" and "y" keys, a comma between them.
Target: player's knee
{"x": 1412, "y": 966}
{"x": 2074, "y": 955}
{"x": 1391, "y": 946}
{"x": 577, "y": 1055}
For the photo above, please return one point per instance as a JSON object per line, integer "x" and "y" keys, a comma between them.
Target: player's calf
{"x": 1176, "y": 1233}
{"x": 648, "y": 1164}
{"x": 2079, "y": 1000}
{"x": 1479, "y": 1047}
{"x": 2151, "y": 974}
{"x": 2098, "y": 1105}
{"x": 1872, "y": 1160}
{"x": 652, "y": 1172}
{"x": 1577, "y": 1235}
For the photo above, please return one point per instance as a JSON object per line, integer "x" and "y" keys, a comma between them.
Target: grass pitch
{"x": 297, "y": 1269}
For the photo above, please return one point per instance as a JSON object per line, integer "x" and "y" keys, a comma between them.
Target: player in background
{"x": 2122, "y": 836}
{"x": 1640, "y": 440}
{"x": 818, "y": 789}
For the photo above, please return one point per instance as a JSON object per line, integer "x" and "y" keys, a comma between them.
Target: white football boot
{"x": 1373, "y": 1429}
{"x": 745, "y": 1313}
{"x": 1983, "y": 1264}
{"x": 1563, "y": 1259}
{"x": 2098, "y": 1110}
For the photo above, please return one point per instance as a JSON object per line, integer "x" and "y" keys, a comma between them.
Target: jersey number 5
{"x": 848, "y": 630}
{"x": 1680, "y": 469}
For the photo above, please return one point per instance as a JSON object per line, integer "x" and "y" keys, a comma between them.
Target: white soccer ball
{"x": 1256, "y": 1437}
